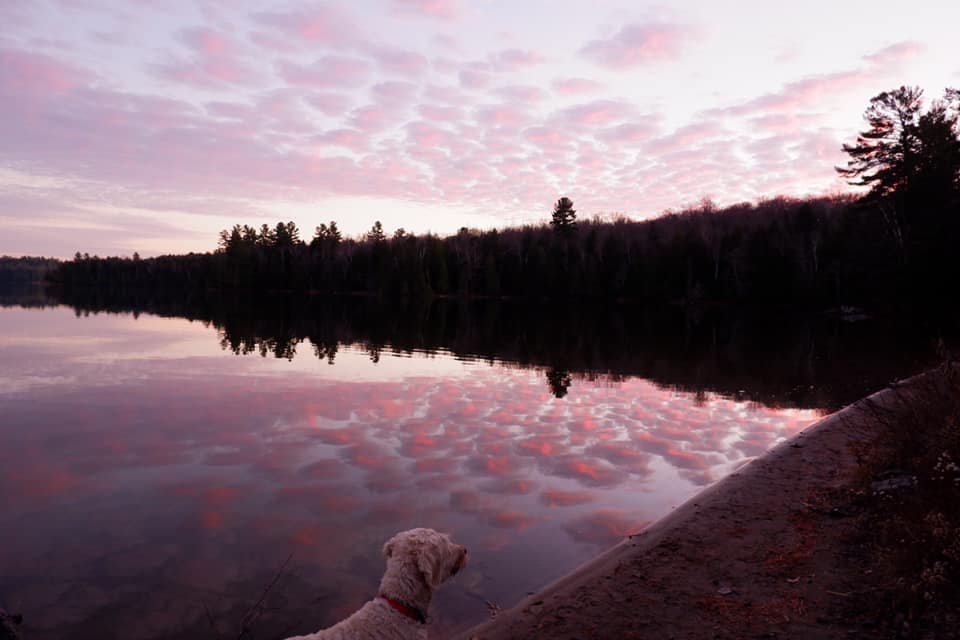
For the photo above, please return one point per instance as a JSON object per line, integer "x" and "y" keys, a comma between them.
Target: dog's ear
{"x": 388, "y": 547}
{"x": 430, "y": 564}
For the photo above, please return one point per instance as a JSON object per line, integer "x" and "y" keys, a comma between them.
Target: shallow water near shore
{"x": 154, "y": 473}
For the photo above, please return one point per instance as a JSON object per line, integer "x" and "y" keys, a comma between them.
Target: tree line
{"x": 894, "y": 245}
{"x": 25, "y": 271}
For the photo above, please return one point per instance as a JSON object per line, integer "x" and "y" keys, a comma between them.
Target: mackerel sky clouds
{"x": 136, "y": 126}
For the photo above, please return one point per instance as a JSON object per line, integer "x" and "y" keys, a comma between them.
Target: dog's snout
{"x": 461, "y": 561}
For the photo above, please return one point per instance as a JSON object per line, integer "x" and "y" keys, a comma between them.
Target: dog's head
{"x": 428, "y": 552}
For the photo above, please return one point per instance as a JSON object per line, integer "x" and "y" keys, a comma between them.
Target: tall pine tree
{"x": 564, "y": 220}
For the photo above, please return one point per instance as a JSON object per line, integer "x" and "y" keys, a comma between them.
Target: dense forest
{"x": 894, "y": 246}
{"x": 24, "y": 272}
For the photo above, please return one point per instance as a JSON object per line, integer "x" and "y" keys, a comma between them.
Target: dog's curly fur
{"x": 418, "y": 561}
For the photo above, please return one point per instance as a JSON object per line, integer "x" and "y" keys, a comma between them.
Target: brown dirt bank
{"x": 784, "y": 548}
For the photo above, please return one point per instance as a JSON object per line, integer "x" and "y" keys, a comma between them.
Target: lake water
{"x": 156, "y": 468}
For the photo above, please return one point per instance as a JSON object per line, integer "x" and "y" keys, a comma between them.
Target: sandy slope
{"x": 758, "y": 555}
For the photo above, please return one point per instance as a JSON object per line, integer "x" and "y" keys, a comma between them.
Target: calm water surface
{"x": 149, "y": 473}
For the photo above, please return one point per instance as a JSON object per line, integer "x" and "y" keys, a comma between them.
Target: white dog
{"x": 418, "y": 561}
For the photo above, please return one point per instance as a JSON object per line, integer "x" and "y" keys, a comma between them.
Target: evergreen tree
{"x": 938, "y": 165}
{"x": 327, "y": 235}
{"x": 266, "y": 237}
{"x": 564, "y": 220}
{"x": 286, "y": 235}
{"x": 885, "y": 156}
{"x": 230, "y": 240}
{"x": 910, "y": 159}
{"x": 376, "y": 233}
{"x": 333, "y": 233}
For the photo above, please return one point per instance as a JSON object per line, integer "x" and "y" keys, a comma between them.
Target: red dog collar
{"x": 411, "y": 612}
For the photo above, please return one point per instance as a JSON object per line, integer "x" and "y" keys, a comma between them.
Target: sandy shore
{"x": 757, "y": 555}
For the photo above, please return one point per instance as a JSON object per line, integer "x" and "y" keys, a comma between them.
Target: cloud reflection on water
{"x": 222, "y": 465}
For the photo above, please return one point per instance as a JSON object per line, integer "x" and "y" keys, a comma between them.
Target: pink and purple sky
{"x": 141, "y": 126}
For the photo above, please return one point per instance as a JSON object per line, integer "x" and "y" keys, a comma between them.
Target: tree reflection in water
{"x": 775, "y": 359}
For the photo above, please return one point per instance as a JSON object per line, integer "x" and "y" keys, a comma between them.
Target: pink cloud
{"x": 551, "y": 140}
{"x": 427, "y": 136}
{"x": 205, "y": 41}
{"x": 320, "y": 24}
{"x": 520, "y": 93}
{"x": 329, "y": 104}
{"x": 802, "y": 94}
{"x": 231, "y": 110}
{"x": 597, "y": 113}
{"x": 502, "y": 115}
{"x": 815, "y": 91}
{"x": 283, "y": 110}
{"x": 208, "y": 73}
{"x": 515, "y": 59}
{"x": 394, "y": 92}
{"x": 439, "y": 9}
{"x": 896, "y": 54}
{"x": 371, "y": 117}
{"x": 15, "y": 16}
{"x": 349, "y": 138}
{"x": 686, "y": 138}
{"x": 448, "y": 94}
{"x": 780, "y": 123}
{"x": 628, "y": 132}
{"x": 274, "y": 42}
{"x": 446, "y": 41}
{"x": 445, "y": 65}
{"x": 327, "y": 71}
{"x": 35, "y": 74}
{"x": 474, "y": 79}
{"x": 638, "y": 44}
{"x": 575, "y": 86}
{"x": 440, "y": 113}
{"x": 401, "y": 62}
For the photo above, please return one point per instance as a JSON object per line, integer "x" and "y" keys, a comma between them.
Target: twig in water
{"x": 213, "y": 623}
{"x": 254, "y": 612}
